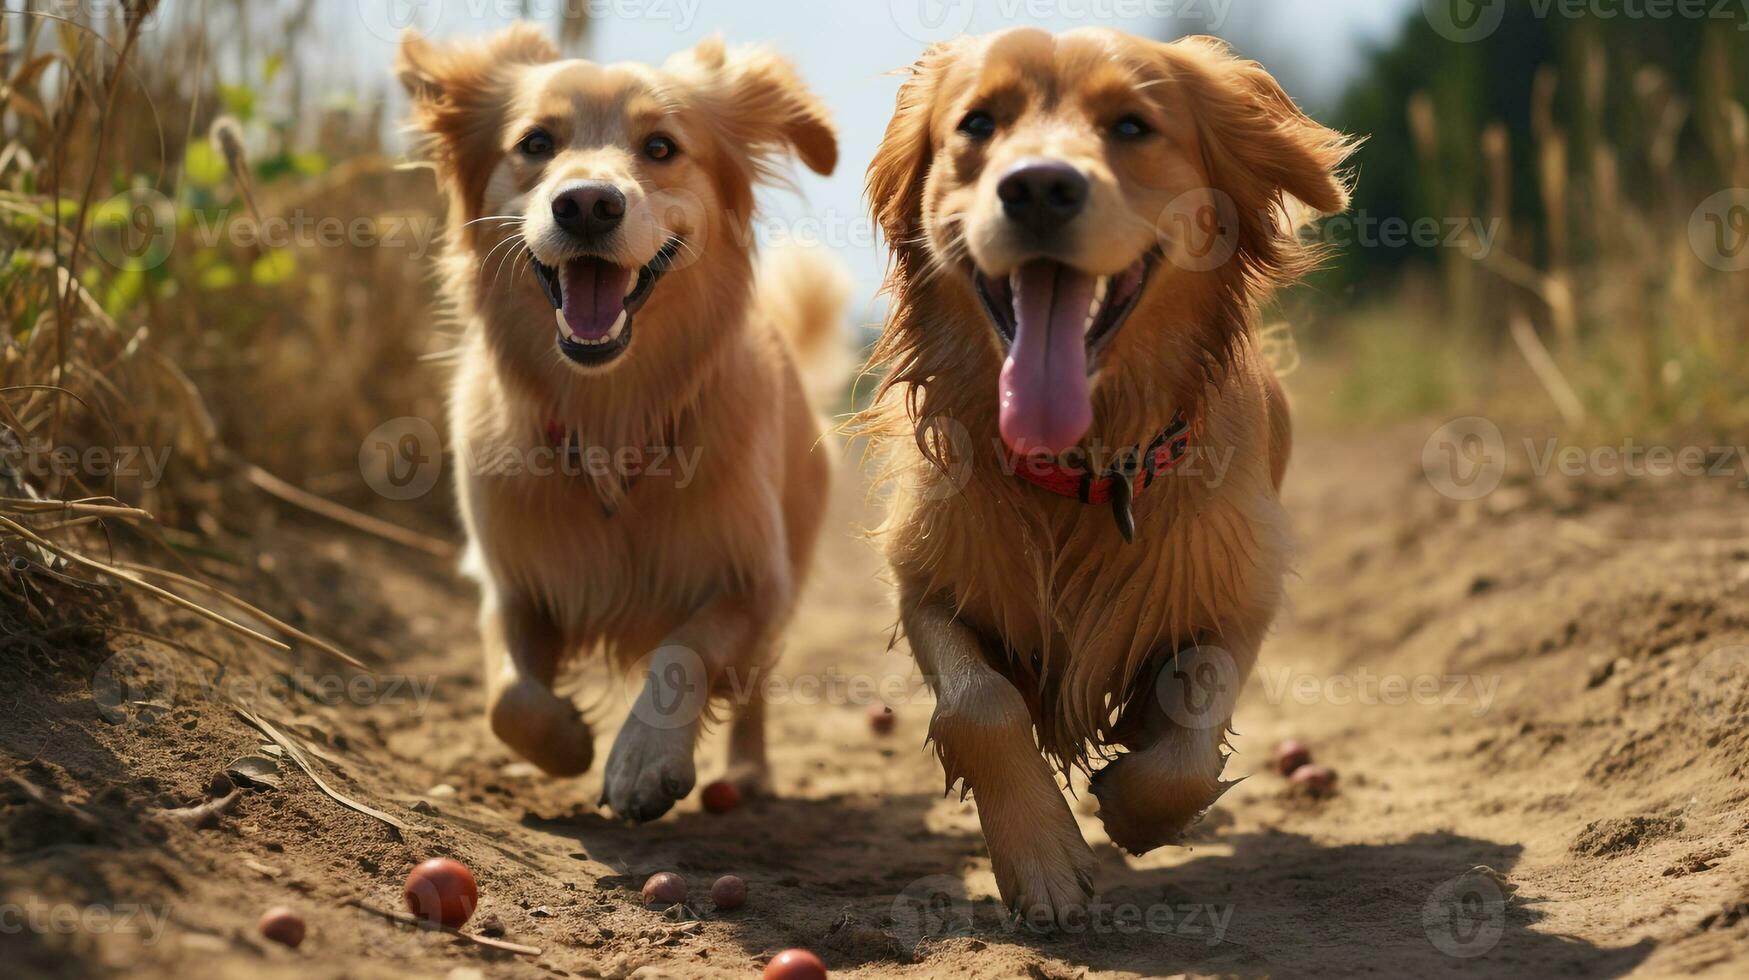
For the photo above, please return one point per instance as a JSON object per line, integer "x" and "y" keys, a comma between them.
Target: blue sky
{"x": 848, "y": 51}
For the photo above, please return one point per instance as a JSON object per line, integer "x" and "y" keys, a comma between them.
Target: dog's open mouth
{"x": 1055, "y": 321}
{"x": 595, "y": 301}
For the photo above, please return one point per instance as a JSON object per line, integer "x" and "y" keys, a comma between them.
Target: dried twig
{"x": 110, "y": 570}
{"x": 418, "y": 923}
{"x": 1542, "y": 364}
{"x": 322, "y": 507}
{"x": 290, "y": 745}
{"x": 251, "y": 610}
{"x": 203, "y": 814}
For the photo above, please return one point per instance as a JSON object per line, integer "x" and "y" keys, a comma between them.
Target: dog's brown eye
{"x": 660, "y": 148}
{"x": 536, "y": 144}
{"x": 978, "y": 125}
{"x": 1131, "y": 128}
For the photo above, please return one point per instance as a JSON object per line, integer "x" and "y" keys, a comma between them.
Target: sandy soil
{"x": 1542, "y": 754}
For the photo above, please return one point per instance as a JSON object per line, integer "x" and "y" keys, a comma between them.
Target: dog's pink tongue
{"x": 1046, "y": 407}
{"x": 594, "y": 292}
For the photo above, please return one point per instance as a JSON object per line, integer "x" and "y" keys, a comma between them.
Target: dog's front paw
{"x": 543, "y": 728}
{"x": 648, "y": 771}
{"x": 1144, "y": 807}
{"x": 1043, "y": 873}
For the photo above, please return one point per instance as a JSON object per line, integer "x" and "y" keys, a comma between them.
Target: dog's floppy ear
{"x": 1254, "y": 134}
{"x": 458, "y": 89}
{"x": 901, "y": 164}
{"x": 758, "y": 104}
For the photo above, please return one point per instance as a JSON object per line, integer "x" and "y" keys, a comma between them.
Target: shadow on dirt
{"x": 1283, "y": 905}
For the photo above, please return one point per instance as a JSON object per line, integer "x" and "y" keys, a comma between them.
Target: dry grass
{"x": 161, "y": 361}
{"x": 1615, "y": 321}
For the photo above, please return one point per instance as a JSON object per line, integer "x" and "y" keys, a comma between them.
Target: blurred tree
{"x": 1552, "y": 91}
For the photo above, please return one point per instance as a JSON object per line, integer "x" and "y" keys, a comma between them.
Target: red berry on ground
{"x": 795, "y": 964}
{"x": 442, "y": 892}
{"x": 283, "y": 926}
{"x": 664, "y": 888}
{"x": 1316, "y": 780}
{"x": 1290, "y": 755}
{"x": 720, "y": 797}
{"x": 881, "y": 719}
{"x": 729, "y": 892}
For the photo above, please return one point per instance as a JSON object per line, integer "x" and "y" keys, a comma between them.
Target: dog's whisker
{"x": 486, "y": 260}
{"x": 508, "y": 254}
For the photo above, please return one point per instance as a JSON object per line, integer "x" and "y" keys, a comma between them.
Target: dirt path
{"x": 1539, "y": 774}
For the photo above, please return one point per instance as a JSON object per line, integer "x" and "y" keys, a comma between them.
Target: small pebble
{"x": 664, "y": 888}
{"x": 442, "y": 891}
{"x": 881, "y": 719}
{"x": 729, "y": 892}
{"x": 283, "y": 926}
{"x": 795, "y": 964}
{"x": 1317, "y": 780}
{"x": 720, "y": 797}
{"x": 1290, "y": 755}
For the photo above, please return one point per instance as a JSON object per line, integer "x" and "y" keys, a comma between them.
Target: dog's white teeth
{"x": 613, "y": 334}
{"x": 1100, "y": 287}
{"x": 632, "y": 285}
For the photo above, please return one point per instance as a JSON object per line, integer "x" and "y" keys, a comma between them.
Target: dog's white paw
{"x": 648, "y": 771}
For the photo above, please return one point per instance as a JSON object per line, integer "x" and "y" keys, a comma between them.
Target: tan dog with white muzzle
{"x": 643, "y": 474}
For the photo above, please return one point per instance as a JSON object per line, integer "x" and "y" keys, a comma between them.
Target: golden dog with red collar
{"x": 1083, "y": 227}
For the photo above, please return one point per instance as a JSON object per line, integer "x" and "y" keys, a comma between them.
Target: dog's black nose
{"x": 1042, "y": 195}
{"x": 590, "y": 210}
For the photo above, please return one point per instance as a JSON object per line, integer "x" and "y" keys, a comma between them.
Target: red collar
{"x": 1123, "y": 482}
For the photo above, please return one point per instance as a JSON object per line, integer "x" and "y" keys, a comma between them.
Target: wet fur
{"x": 1011, "y": 596}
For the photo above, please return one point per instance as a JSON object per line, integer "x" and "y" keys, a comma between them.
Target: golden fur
{"x": 1028, "y": 613}
{"x": 697, "y": 571}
